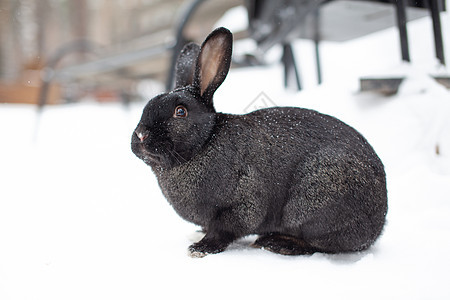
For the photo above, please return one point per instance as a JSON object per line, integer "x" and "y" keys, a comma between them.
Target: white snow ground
{"x": 82, "y": 218}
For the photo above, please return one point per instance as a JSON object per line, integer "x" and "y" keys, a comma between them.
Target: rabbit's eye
{"x": 180, "y": 112}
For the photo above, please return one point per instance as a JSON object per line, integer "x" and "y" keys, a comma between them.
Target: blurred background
{"x": 59, "y": 51}
{"x": 94, "y": 47}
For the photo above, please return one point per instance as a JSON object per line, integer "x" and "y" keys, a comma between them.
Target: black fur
{"x": 302, "y": 180}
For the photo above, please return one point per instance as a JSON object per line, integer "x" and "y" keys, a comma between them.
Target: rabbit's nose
{"x": 142, "y": 136}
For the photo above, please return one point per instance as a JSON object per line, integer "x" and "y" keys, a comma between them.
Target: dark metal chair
{"x": 276, "y": 22}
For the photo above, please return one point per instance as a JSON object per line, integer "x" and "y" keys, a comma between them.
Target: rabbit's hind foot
{"x": 283, "y": 244}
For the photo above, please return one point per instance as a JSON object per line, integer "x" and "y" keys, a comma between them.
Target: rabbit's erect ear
{"x": 213, "y": 62}
{"x": 186, "y": 64}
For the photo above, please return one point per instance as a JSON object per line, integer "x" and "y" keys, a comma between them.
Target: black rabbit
{"x": 303, "y": 181}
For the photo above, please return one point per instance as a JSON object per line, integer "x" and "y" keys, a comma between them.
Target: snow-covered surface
{"x": 82, "y": 218}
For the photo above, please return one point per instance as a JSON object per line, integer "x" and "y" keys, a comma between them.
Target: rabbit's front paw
{"x": 207, "y": 246}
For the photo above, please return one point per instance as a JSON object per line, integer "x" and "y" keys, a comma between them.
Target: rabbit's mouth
{"x": 162, "y": 154}
{"x": 154, "y": 156}
{"x": 149, "y": 156}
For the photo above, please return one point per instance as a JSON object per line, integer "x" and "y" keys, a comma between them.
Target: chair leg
{"x": 316, "y": 25}
{"x": 400, "y": 8}
{"x": 435, "y": 8}
{"x": 291, "y": 74}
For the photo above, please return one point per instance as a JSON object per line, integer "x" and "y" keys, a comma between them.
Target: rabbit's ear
{"x": 213, "y": 62}
{"x": 185, "y": 65}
